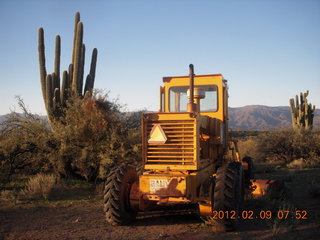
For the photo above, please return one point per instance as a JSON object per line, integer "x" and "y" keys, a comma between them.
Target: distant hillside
{"x": 256, "y": 117}
{"x": 2, "y": 118}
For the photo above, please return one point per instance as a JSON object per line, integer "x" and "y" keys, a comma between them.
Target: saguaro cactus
{"x": 302, "y": 113}
{"x": 54, "y": 96}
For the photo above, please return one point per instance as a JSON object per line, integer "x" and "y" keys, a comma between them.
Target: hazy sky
{"x": 267, "y": 50}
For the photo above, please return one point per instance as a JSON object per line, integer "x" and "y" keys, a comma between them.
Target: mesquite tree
{"x": 55, "y": 95}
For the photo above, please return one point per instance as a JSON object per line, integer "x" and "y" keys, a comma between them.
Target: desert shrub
{"x": 25, "y": 144}
{"x": 307, "y": 146}
{"x": 133, "y": 124}
{"x": 284, "y": 146}
{"x": 275, "y": 146}
{"x": 248, "y": 147}
{"x": 40, "y": 185}
{"x": 91, "y": 136}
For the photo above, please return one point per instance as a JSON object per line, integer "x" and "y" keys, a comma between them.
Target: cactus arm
{"x": 312, "y": 114}
{"x": 83, "y": 55}
{"x": 293, "y": 113}
{"x": 64, "y": 88}
{"x": 301, "y": 98}
{"x": 57, "y": 57}
{"x": 42, "y": 62}
{"x": 56, "y": 100}
{"x": 55, "y": 81}
{"x": 306, "y": 112}
{"x": 76, "y": 20}
{"x": 93, "y": 66}
{"x": 77, "y": 59}
{"x": 49, "y": 95}
{"x": 70, "y": 76}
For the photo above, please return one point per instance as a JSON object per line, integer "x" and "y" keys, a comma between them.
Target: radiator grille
{"x": 178, "y": 149}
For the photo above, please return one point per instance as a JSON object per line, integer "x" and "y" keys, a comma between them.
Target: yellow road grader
{"x": 188, "y": 158}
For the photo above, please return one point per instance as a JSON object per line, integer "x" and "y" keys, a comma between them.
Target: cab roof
{"x": 168, "y": 79}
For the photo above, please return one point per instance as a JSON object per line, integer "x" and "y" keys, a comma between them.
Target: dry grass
{"x": 286, "y": 224}
{"x": 9, "y": 195}
{"x": 40, "y": 185}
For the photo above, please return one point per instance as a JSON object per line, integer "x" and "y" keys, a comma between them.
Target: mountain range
{"x": 257, "y": 117}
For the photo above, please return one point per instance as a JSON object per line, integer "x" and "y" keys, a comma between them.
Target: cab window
{"x": 178, "y": 99}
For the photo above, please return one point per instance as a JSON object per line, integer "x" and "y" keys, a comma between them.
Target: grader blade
{"x": 261, "y": 187}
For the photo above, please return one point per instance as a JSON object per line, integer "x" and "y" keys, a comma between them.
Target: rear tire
{"x": 228, "y": 195}
{"x": 117, "y": 195}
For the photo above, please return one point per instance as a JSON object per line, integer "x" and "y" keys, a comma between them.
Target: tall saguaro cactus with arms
{"x": 55, "y": 95}
{"x": 302, "y": 113}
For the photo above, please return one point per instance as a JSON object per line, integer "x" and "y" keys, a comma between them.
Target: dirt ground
{"x": 84, "y": 219}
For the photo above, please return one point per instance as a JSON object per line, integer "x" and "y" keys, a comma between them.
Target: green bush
{"x": 91, "y": 136}
{"x": 25, "y": 144}
{"x": 283, "y": 146}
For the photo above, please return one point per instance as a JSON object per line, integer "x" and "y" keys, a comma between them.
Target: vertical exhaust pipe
{"x": 191, "y": 86}
{"x": 191, "y": 107}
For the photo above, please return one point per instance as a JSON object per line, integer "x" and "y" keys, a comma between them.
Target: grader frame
{"x": 188, "y": 158}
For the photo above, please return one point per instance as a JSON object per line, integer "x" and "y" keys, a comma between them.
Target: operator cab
{"x": 209, "y": 95}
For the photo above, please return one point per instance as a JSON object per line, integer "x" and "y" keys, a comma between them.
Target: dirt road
{"x": 83, "y": 218}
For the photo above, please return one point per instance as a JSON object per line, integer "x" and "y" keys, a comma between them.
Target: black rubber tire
{"x": 248, "y": 174}
{"x": 228, "y": 195}
{"x": 117, "y": 195}
{"x": 241, "y": 176}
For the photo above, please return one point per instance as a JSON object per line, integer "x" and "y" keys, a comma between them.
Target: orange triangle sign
{"x": 157, "y": 135}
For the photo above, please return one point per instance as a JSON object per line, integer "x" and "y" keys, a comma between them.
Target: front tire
{"x": 117, "y": 205}
{"x": 228, "y": 195}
